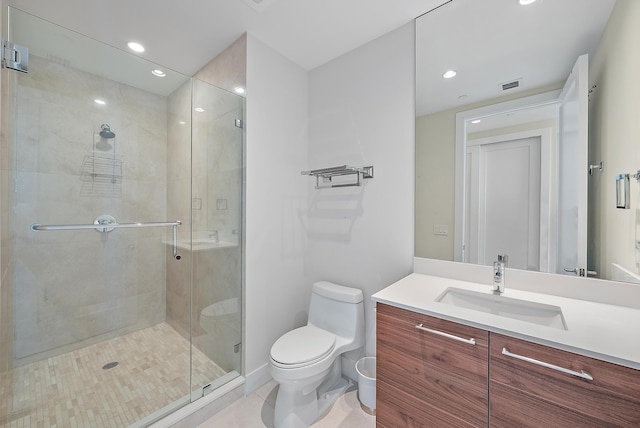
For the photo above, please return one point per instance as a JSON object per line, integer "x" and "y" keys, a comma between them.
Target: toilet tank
{"x": 338, "y": 309}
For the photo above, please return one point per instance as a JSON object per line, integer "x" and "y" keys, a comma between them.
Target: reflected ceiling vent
{"x": 259, "y": 5}
{"x": 511, "y": 85}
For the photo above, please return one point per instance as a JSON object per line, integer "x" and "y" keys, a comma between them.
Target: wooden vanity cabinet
{"x": 529, "y": 389}
{"x": 430, "y": 372}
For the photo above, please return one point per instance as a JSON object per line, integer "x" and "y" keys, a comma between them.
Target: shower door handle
{"x": 106, "y": 223}
{"x": 176, "y": 256}
{"x": 36, "y": 227}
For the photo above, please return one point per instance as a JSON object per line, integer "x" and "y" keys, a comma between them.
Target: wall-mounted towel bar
{"x": 327, "y": 175}
{"x": 101, "y": 227}
{"x": 106, "y": 223}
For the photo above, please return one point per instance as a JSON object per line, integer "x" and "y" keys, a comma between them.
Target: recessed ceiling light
{"x": 476, "y": 121}
{"x": 159, "y": 73}
{"x": 136, "y": 47}
{"x": 239, "y": 90}
{"x": 449, "y": 74}
{"x": 182, "y": 122}
{"x": 199, "y": 109}
{"x": 99, "y": 101}
{"x": 526, "y": 2}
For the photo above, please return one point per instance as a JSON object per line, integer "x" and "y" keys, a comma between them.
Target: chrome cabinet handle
{"x": 447, "y": 335}
{"x": 581, "y": 374}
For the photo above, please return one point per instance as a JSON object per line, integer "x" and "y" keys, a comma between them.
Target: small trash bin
{"x": 366, "y": 368}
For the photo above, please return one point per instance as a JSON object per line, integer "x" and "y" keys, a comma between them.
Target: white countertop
{"x": 603, "y": 331}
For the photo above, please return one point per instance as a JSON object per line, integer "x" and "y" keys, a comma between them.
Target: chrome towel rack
{"x": 327, "y": 175}
{"x": 106, "y": 223}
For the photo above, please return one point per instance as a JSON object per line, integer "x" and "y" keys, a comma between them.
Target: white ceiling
{"x": 490, "y": 42}
{"x": 514, "y": 118}
{"x": 184, "y": 35}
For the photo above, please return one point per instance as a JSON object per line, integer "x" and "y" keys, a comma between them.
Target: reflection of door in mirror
{"x": 511, "y": 200}
{"x": 573, "y": 110}
{"x": 514, "y": 202}
{"x": 507, "y": 203}
{"x": 504, "y": 201}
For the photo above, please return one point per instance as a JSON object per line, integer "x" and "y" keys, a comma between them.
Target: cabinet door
{"x": 533, "y": 385}
{"x": 430, "y": 372}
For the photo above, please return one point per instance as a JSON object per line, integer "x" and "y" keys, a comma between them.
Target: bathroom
{"x": 327, "y": 115}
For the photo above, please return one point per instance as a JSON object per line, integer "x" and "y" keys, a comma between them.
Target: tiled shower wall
{"x": 73, "y": 288}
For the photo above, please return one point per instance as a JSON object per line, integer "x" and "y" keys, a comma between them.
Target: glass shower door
{"x": 217, "y": 144}
{"x": 88, "y": 222}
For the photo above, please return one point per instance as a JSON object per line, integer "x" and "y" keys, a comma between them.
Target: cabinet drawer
{"x": 612, "y": 397}
{"x": 396, "y": 329}
{"x": 440, "y": 387}
{"x": 397, "y": 409}
{"x": 444, "y": 372}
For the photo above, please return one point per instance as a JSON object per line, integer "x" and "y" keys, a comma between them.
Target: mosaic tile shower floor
{"x": 72, "y": 390}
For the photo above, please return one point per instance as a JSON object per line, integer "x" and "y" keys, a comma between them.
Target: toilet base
{"x": 297, "y": 410}
{"x": 329, "y": 397}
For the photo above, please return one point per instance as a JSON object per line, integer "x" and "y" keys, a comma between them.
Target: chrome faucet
{"x": 498, "y": 273}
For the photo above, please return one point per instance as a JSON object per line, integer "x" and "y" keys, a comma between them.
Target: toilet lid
{"x": 303, "y": 345}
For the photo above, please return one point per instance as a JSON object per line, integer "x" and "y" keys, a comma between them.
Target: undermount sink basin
{"x": 523, "y": 310}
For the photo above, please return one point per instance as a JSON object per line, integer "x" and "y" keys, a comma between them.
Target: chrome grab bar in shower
{"x": 107, "y": 223}
{"x": 41, "y": 227}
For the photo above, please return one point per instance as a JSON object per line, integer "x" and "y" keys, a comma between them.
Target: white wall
{"x": 276, "y": 286}
{"x": 614, "y": 234}
{"x": 357, "y": 109}
{"x": 361, "y": 111}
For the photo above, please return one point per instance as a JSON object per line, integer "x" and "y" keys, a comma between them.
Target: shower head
{"x": 105, "y": 132}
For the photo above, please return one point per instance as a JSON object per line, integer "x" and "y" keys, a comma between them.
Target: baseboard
{"x": 256, "y": 379}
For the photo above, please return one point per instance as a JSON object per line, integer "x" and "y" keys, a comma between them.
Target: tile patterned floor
{"x": 256, "y": 411}
{"x": 72, "y": 390}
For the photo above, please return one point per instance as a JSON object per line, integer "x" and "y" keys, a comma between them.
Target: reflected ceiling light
{"x": 449, "y": 74}
{"x": 199, "y": 109}
{"x": 99, "y": 101}
{"x": 158, "y": 73}
{"x": 136, "y": 47}
{"x": 526, "y": 2}
{"x": 476, "y": 121}
{"x": 239, "y": 90}
{"x": 182, "y": 122}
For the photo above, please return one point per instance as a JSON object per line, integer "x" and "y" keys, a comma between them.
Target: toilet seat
{"x": 302, "y": 347}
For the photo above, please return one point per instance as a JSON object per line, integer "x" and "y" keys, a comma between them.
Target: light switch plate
{"x": 440, "y": 229}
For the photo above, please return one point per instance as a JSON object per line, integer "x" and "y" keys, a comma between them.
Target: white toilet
{"x": 306, "y": 362}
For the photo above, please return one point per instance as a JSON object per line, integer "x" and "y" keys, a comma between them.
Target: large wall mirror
{"x": 528, "y": 112}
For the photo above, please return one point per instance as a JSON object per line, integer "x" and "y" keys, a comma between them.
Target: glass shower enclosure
{"x": 121, "y": 217}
